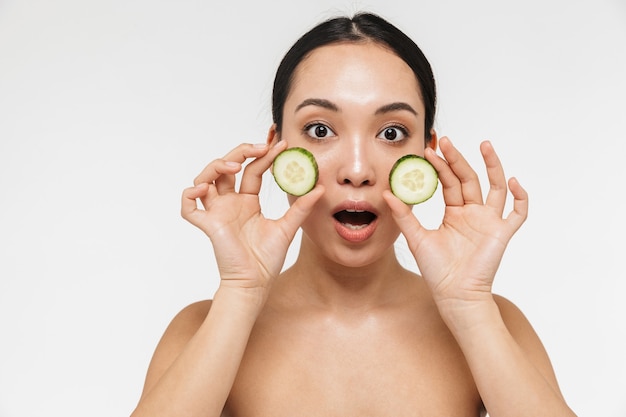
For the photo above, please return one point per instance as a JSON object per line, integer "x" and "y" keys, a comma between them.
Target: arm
{"x": 459, "y": 261}
{"x": 197, "y": 359}
{"x": 195, "y": 363}
{"x": 511, "y": 368}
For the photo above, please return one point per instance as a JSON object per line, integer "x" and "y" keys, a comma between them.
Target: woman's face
{"x": 357, "y": 108}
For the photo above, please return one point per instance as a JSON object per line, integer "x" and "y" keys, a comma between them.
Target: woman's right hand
{"x": 250, "y": 250}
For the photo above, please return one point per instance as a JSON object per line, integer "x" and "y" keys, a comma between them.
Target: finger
{"x": 450, "y": 184}
{"x": 226, "y": 183}
{"x": 299, "y": 211}
{"x": 470, "y": 185}
{"x": 520, "y": 205}
{"x": 498, "y": 189}
{"x": 232, "y": 160}
{"x": 253, "y": 174}
{"x": 217, "y": 169}
{"x": 496, "y": 197}
{"x": 189, "y": 204}
{"x": 402, "y": 213}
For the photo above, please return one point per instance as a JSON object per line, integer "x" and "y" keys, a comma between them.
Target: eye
{"x": 393, "y": 133}
{"x": 318, "y": 131}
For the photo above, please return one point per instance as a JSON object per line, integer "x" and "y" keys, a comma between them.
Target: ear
{"x": 432, "y": 143}
{"x": 273, "y": 136}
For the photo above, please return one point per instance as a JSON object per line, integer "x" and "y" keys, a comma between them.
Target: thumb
{"x": 402, "y": 213}
{"x": 299, "y": 211}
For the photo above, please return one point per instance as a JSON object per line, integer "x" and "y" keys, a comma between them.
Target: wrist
{"x": 242, "y": 300}
{"x": 463, "y": 316}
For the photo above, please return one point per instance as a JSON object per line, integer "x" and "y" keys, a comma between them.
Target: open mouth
{"x": 355, "y": 219}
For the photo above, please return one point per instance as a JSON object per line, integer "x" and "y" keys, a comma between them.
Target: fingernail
{"x": 232, "y": 164}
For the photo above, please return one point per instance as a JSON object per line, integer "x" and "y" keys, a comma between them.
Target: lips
{"x": 355, "y": 221}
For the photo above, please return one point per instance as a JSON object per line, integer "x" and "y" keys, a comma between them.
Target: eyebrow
{"x": 387, "y": 108}
{"x": 320, "y": 102}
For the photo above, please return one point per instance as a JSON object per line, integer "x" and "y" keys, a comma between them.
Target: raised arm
{"x": 197, "y": 359}
{"x": 459, "y": 261}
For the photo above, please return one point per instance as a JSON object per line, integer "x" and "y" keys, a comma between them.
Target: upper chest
{"x": 374, "y": 365}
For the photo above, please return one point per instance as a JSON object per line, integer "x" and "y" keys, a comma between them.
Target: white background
{"x": 108, "y": 109}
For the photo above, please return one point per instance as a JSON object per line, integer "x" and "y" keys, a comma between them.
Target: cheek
{"x": 326, "y": 164}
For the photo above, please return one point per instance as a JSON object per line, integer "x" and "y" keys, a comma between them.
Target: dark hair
{"x": 360, "y": 28}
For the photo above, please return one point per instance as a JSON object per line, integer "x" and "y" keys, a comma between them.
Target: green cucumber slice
{"x": 413, "y": 179}
{"x": 295, "y": 171}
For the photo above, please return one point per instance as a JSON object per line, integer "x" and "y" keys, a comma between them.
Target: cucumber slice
{"x": 413, "y": 179}
{"x": 295, "y": 171}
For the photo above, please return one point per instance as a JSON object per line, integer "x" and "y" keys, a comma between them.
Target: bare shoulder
{"x": 517, "y": 323}
{"x": 180, "y": 330}
{"x": 183, "y": 326}
{"x": 187, "y": 321}
{"x": 526, "y": 337}
{"x": 515, "y": 320}
{"x": 511, "y": 314}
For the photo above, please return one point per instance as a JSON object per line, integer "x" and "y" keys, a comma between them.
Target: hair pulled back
{"x": 361, "y": 27}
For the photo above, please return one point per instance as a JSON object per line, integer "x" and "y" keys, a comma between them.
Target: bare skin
{"x": 346, "y": 331}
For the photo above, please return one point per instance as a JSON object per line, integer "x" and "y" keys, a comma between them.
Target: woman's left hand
{"x": 459, "y": 260}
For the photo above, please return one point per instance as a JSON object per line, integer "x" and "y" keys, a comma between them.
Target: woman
{"x": 347, "y": 331}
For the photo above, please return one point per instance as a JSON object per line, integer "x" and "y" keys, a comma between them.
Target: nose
{"x": 356, "y": 164}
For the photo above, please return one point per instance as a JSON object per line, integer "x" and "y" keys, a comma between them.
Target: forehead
{"x": 365, "y": 71}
